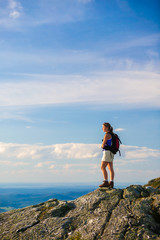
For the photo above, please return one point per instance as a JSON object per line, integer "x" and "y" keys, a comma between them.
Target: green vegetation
{"x": 155, "y": 183}
{"x": 77, "y": 236}
{"x": 5, "y": 209}
{"x": 44, "y": 211}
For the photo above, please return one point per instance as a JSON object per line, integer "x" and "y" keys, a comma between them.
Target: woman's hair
{"x": 108, "y": 125}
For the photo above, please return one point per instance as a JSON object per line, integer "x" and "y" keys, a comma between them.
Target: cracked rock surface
{"x": 107, "y": 214}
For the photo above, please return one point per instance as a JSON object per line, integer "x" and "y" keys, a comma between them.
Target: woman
{"x": 108, "y": 156}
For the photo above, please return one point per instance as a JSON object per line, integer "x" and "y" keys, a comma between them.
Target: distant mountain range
{"x": 13, "y": 198}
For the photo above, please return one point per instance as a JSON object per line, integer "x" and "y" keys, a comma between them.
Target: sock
{"x": 105, "y": 180}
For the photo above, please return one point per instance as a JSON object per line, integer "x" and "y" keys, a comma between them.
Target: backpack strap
{"x": 119, "y": 153}
{"x": 119, "y": 139}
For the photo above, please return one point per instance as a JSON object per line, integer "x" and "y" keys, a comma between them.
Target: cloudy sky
{"x": 68, "y": 66}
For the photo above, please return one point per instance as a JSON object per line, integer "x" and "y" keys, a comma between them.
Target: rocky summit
{"x": 107, "y": 214}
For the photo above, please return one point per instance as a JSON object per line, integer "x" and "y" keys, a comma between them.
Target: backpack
{"x": 114, "y": 148}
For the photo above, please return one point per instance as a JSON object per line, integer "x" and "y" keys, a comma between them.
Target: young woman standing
{"x": 108, "y": 156}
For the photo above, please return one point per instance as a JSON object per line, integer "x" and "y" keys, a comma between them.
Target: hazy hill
{"x": 107, "y": 214}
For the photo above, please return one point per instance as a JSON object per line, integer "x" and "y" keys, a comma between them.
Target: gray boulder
{"x": 107, "y": 214}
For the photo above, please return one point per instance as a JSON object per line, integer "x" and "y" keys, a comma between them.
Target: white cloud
{"x": 129, "y": 87}
{"x": 43, "y": 164}
{"x": 15, "y": 9}
{"x": 140, "y": 152}
{"x": 79, "y": 151}
{"x": 135, "y": 175}
{"x": 15, "y": 114}
{"x": 76, "y": 150}
{"x": 51, "y": 152}
{"x": 52, "y": 166}
{"x": 73, "y": 162}
{"x": 14, "y": 14}
{"x": 12, "y": 163}
{"x": 67, "y": 166}
{"x": 10, "y": 13}
{"x": 132, "y": 162}
{"x": 80, "y": 166}
{"x": 39, "y": 165}
{"x": 119, "y": 129}
{"x": 42, "y": 12}
{"x": 12, "y": 4}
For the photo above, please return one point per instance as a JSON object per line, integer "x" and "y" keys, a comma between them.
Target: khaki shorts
{"x": 108, "y": 156}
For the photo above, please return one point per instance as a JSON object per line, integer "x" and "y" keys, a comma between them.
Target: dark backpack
{"x": 114, "y": 148}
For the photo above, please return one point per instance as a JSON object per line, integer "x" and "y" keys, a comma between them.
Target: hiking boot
{"x": 104, "y": 184}
{"x": 111, "y": 184}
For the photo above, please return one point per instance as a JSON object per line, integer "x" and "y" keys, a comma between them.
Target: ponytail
{"x": 111, "y": 130}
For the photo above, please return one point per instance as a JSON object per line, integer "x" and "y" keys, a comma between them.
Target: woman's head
{"x": 107, "y": 127}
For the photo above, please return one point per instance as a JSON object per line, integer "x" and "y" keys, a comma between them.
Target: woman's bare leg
{"x": 103, "y": 169}
{"x": 111, "y": 170}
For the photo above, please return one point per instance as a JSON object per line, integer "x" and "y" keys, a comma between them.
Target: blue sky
{"x": 68, "y": 66}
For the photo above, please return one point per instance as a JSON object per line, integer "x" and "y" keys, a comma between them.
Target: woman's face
{"x": 104, "y": 128}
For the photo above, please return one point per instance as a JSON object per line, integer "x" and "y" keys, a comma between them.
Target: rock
{"x": 107, "y": 214}
{"x": 155, "y": 183}
{"x": 135, "y": 191}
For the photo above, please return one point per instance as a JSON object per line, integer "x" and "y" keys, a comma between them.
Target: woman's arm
{"x": 106, "y": 137}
